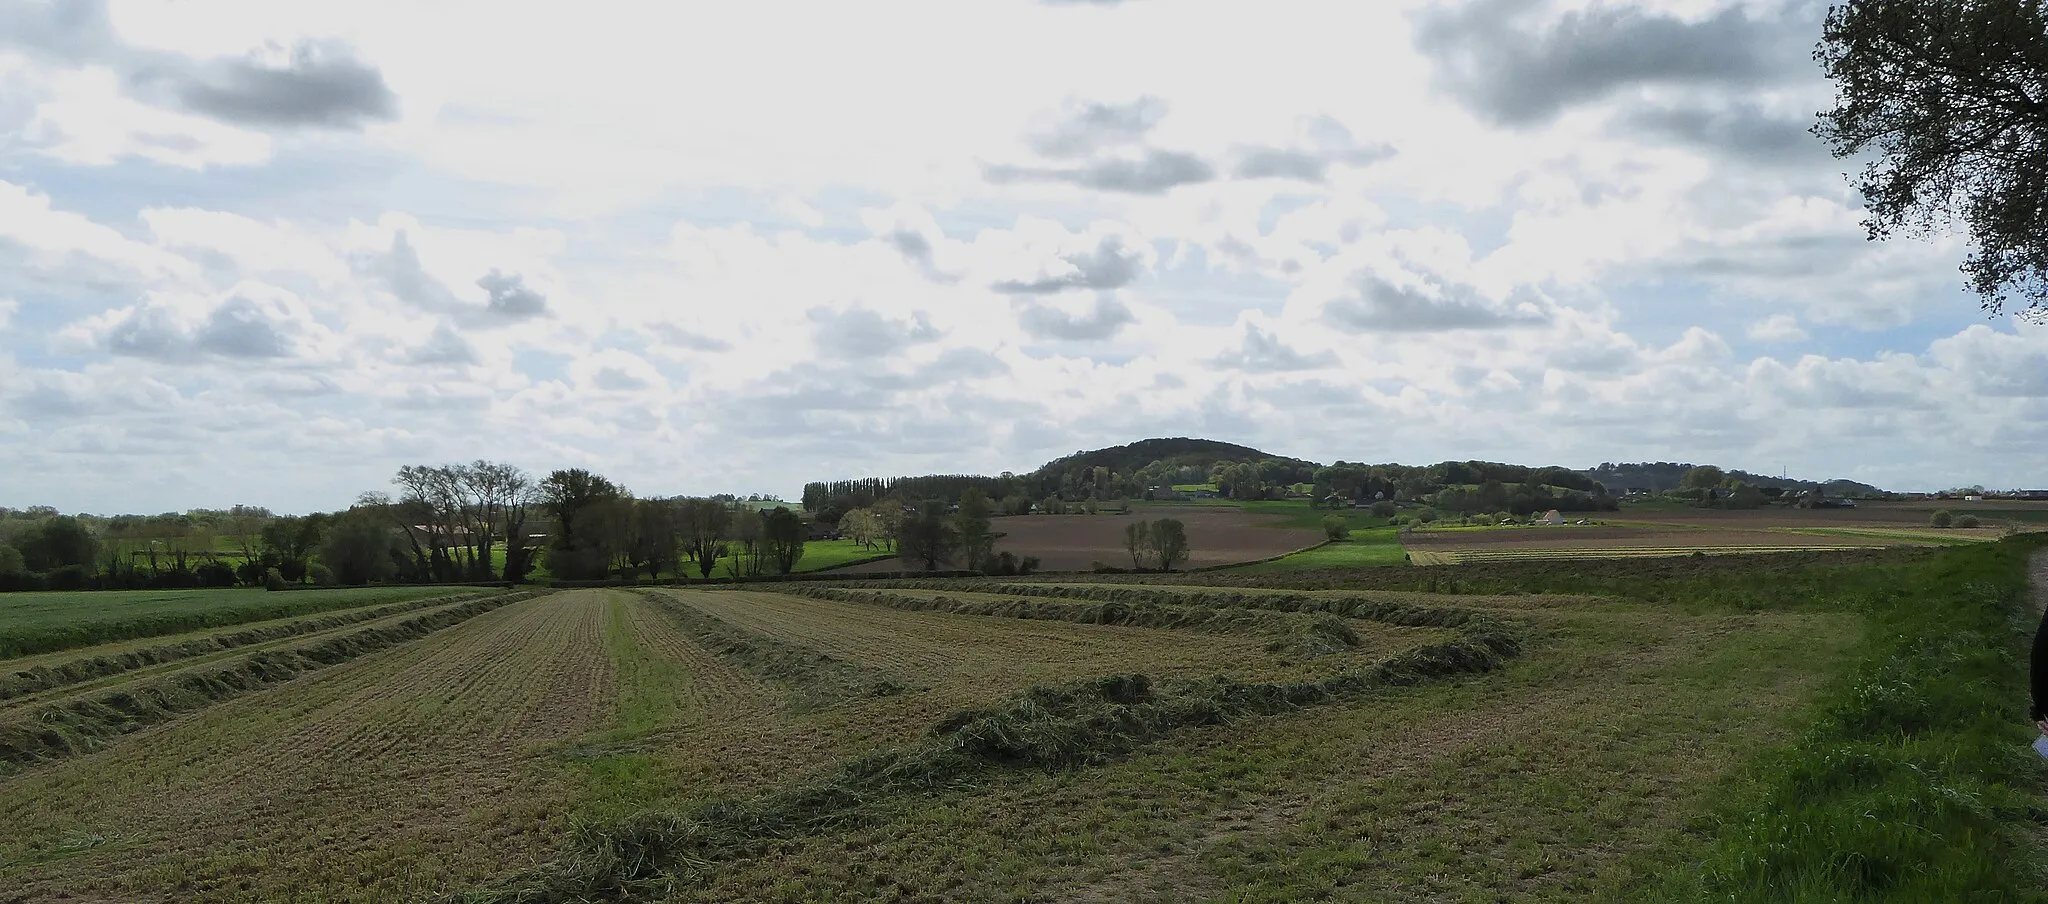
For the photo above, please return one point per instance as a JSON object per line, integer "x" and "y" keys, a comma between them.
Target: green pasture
{"x": 41, "y": 622}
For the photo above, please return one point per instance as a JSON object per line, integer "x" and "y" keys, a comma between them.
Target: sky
{"x": 267, "y": 252}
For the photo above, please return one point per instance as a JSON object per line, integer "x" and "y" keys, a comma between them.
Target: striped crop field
{"x": 956, "y": 740}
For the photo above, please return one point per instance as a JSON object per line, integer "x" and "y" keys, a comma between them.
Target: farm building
{"x": 1552, "y": 517}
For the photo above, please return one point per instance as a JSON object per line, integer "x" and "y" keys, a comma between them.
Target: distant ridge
{"x": 1660, "y": 476}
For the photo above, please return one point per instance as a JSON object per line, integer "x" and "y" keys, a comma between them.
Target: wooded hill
{"x": 1135, "y": 470}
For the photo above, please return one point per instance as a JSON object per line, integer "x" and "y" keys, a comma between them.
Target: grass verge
{"x": 1915, "y": 784}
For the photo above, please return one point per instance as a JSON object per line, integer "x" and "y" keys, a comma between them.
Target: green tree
{"x": 1138, "y": 542}
{"x": 358, "y": 549}
{"x": 1942, "y": 518}
{"x": 1169, "y": 542}
{"x": 1383, "y": 509}
{"x": 862, "y": 526}
{"x": 1704, "y": 477}
{"x": 1336, "y": 527}
{"x": 745, "y": 547}
{"x": 1967, "y": 521}
{"x": 702, "y": 528}
{"x": 288, "y": 542}
{"x": 783, "y": 533}
{"x": 60, "y": 542}
{"x": 971, "y": 522}
{"x": 11, "y": 562}
{"x": 1949, "y": 98}
{"x": 928, "y": 537}
{"x": 572, "y": 497}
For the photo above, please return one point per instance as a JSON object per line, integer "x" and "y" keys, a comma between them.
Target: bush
{"x": 1943, "y": 518}
{"x": 1966, "y": 521}
{"x": 273, "y": 580}
{"x": 321, "y": 574}
{"x": 69, "y": 577}
{"x": 1383, "y": 509}
{"x": 216, "y": 574}
{"x": 11, "y": 563}
{"x": 1336, "y": 528}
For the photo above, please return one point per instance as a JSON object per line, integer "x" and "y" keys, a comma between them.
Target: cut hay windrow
{"x": 87, "y": 724}
{"x": 1359, "y": 607}
{"x": 1071, "y": 726}
{"x": 818, "y": 680}
{"x": 86, "y": 668}
{"x": 1303, "y": 633}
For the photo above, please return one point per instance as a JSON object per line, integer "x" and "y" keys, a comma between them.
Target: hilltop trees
{"x": 1950, "y": 100}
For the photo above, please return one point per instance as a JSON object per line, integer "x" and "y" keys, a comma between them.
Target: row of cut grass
{"x": 87, "y": 723}
{"x": 1287, "y": 632}
{"x": 818, "y": 680}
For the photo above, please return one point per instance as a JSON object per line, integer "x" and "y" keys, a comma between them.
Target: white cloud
{"x": 1777, "y": 328}
{"x": 7, "y": 308}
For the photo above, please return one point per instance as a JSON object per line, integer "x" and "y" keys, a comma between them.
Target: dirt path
{"x": 384, "y": 779}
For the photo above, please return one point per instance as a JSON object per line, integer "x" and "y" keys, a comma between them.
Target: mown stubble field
{"x": 468, "y": 756}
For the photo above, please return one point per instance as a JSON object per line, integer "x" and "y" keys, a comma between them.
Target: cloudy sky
{"x": 266, "y": 252}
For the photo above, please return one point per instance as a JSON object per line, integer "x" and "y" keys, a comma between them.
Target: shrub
{"x": 1336, "y": 528}
{"x": 1966, "y": 521}
{"x": 321, "y": 574}
{"x": 69, "y": 577}
{"x": 11, "y": 562}
{"x": 273, "y": 580}
{"x": 1943, "y": 518}
{"x": 215, "y": 574}
{"x": 1383, "y": 509}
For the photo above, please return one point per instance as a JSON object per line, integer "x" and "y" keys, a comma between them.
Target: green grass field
{"x": 43, "y": 622}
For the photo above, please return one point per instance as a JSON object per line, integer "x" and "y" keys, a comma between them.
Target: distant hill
{"x": 1660, "y": 476}
{"x": 1134, "y": 470}
{"x": 1178, "y": 451}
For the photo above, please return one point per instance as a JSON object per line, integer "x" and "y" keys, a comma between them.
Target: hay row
{"x": 83, "y": 725}
{"x": 819, "y": 680}
{"x": 1307, "y": 634}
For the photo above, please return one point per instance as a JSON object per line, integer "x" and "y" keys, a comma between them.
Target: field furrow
{"x": 385, "y": 779}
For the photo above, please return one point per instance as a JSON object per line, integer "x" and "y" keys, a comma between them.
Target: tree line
{"x": 480, "y": 522}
